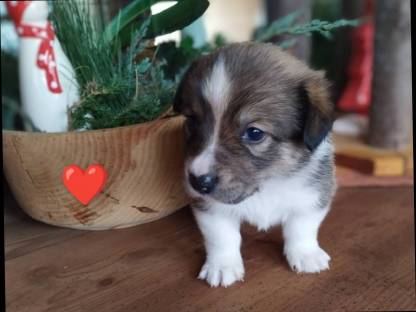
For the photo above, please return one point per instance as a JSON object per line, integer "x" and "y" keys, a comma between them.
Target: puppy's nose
{"x": 204, "y": 184}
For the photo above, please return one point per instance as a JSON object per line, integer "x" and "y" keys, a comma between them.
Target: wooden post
{"x": 280, "y": 8}
{"x": 391, "y": 107}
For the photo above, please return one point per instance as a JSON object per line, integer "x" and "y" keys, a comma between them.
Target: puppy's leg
{"x": 300, "y": 232}
{"x": 223, "y": 265}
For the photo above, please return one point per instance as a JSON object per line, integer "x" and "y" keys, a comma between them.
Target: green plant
{"x": 119, "y": 84}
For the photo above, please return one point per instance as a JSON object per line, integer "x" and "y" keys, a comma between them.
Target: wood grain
{"x": 369, "y": 234}
{"x": 144, "y": 164}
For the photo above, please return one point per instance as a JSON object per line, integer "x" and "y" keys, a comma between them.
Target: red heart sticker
{"x": 84, "y": 185}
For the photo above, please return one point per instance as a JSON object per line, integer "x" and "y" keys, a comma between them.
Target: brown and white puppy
{"x": 259, "y": 151}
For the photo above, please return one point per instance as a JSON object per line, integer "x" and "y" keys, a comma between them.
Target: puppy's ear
{"x": 178, "y": 100}
{"x": 318, "y": 107}
{"x": 184, "y": 89}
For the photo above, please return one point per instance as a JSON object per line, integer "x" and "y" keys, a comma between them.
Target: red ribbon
{"x": 45, "y": 58}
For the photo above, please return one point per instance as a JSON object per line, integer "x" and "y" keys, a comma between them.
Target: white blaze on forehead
{"x": 216, "y": 90}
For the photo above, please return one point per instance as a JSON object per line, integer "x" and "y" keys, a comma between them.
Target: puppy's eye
{"x": 253, "y": 135}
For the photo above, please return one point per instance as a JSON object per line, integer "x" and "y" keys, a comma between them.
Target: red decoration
{"x": 46, "y": 56}
{"x": 357, "y": 94}
{"x": 84, "y": 185}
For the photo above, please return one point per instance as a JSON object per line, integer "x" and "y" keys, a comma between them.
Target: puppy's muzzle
{"x": 203, "y": 184}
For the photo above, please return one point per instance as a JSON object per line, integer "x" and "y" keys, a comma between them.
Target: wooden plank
{"x": 408, "y": 156}
{"x": 354, "y": 153}
{"x": 24, "y": 235}
{"x": 152, "y": 267}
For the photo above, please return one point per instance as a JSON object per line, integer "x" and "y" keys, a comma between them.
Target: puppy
{"x": 259, "y": 150}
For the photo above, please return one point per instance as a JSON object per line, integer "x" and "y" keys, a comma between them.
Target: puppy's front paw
{"x": 309, "y": 261}
{"x": 222, "y": 273}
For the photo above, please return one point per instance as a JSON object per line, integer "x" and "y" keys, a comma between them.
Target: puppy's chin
{"x": 238, "y": 199}
{"x": 223, "y": 196}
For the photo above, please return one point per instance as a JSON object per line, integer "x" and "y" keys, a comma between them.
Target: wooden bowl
{"x": 144, "y": 165}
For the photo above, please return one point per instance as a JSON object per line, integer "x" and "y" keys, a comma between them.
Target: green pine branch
{"x": 287, "y": 26}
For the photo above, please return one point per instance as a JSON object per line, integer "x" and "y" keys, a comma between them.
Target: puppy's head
{"x": 252, "y": 112}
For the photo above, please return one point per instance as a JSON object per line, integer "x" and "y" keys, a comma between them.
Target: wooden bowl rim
{"x": 76, "y": 133}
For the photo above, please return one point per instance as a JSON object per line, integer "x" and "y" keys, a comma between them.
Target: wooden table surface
{"x": 152, "y": 267}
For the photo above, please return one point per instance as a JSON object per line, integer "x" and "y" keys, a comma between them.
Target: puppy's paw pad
{"x": 221, "y": 275}
{"x": 310, "y": 261}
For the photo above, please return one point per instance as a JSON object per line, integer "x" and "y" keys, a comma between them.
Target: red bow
{"x": 45, "y": 58}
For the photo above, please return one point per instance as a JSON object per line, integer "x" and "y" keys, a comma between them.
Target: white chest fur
{"x": 273, "y": 203}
